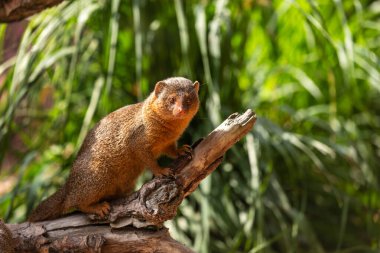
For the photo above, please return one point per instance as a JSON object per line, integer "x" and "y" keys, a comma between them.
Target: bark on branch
{"x": 15, "y": 10}
{"x": 128, "y": 228}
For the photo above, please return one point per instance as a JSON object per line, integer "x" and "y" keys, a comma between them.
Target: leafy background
{"x": 306, "y": 179}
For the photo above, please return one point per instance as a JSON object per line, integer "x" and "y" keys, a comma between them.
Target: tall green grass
{"x": 306, "y": 179}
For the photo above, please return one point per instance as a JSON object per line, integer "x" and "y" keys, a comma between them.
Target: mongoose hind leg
{"x": 101, "y": 209}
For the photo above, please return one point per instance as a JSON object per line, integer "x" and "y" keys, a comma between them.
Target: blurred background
{"x": 306, "y": 179}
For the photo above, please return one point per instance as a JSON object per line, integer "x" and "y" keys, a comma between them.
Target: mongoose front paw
{"x": 166, "y": 172}
{"x": 185, "y": 150}
{"x": 161, "y": 172}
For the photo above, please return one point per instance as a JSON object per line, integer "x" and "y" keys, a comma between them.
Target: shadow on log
{"x": 135, "y": 223}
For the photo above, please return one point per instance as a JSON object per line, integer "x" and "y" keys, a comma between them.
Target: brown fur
{"x": 116, "y": 151}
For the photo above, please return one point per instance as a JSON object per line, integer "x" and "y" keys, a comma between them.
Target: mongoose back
{"x": 119, "y": 147}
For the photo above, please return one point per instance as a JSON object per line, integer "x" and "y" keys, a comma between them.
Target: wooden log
{"x": 76, "y": 233}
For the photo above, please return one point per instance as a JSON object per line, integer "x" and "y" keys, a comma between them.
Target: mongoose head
{"x": 176, "y": 98}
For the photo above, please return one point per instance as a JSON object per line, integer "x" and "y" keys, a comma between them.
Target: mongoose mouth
{"x": 180, "y": 115}
{"x": 179, "y": 111}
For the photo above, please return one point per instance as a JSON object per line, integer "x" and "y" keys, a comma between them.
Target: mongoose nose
{"x": 179, "y": 111}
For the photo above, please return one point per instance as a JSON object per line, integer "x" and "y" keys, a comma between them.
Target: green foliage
{"x": 306, "y": 179}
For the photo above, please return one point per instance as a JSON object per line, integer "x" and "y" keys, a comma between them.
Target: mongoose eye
{"x": 172, "y": 100}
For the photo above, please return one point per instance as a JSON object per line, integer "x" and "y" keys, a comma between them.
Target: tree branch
{"x": 15, "y": 10}
{"x": 127, "y": 226}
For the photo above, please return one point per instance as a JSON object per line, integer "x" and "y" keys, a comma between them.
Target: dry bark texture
{"x": 15, "y": 10}
{"x": 135, "y": 224}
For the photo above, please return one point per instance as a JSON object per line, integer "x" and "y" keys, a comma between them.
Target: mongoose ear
{"x": 196, "y": 86}
{"x": 159, "y": 87}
